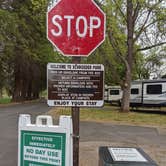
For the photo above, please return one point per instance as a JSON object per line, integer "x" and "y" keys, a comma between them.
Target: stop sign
{"x": 76, "y": 28}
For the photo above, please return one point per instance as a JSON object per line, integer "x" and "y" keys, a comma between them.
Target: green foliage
{"x": 149, "y": 32}
{"x": 113, "y": 67}
{"x": 5, "y": 100}
{"x": 25, "y": 50}
{"x": 8, "y": 35}
{"x": 106, "y": 53}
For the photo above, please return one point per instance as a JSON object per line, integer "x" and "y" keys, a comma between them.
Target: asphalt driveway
{"x": 8, "y": 129}
{"x": 92, "y": 135}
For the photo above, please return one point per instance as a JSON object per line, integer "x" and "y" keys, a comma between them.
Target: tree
{"x": 105, "y": 55}
{"x": 142, "y": 22}
{"x": 154, "y": 63}
{"x": 25, "y": 50}
{"x": 8, "y": 35}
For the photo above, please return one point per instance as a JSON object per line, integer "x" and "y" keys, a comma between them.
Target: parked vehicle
{"x": 113, "y": 94}
{"x": 143, "y": 93}
{"x": 149, "y": 93}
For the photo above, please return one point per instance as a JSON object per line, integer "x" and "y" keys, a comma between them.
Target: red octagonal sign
{"x": 75, "y": 27}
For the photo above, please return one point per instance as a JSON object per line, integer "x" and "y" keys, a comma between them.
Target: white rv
{"x": 143, "y": 93}
{"x": 113, "y": 94}
{"x": 150, "y": 93}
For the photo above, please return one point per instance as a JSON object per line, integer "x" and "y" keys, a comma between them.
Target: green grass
{"x": 112, "y": 114}
{"x": 5, "y": 100}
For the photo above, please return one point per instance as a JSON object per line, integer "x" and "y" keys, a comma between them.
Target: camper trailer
{"x": 150, "y": 93}
{"x": 113, "y": 94}
{"x": 143, "y": 93}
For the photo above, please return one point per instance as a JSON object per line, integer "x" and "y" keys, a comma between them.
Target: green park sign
{"x": 42, "y": 149}
{"x": 45, "y": 145}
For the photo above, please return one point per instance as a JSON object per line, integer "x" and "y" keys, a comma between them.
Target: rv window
{"x": 114, "y": 92}
{"x": 154, "y": 89}
{"x": 134, "y": 91}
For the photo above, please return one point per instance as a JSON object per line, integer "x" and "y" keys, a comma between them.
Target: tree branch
{"x": 136, "y": 11}
{"x": 152, "y": 46}
{"x": 143, "y": 26}
{"x": 117, "y": 50}
{"x": 146, "y": 20}
{"x": 120, "y": 10}
{"x": 148, "y": 25}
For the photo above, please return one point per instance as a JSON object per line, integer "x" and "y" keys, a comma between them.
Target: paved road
{"x": 121, "y": 133}
{"x": 90, "y": 132}
{"x": 93, "y": 135}
{"x": 8, "y": 129}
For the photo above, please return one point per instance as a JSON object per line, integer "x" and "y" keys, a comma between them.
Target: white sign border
{"x": 138, "y": 156}
{"x": 100, "y": 103}
{"x": 40, "y": 135}
{"x": 64, "y": 127}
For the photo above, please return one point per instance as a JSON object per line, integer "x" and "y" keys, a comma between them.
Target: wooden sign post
{"x": 76, "y": 125}
{"x": 75, "y": 85}
{"x": 75, "y": 32}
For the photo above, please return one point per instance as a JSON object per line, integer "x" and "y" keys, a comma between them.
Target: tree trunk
{"x": 125, "y": 105}
{"x": 129, "y": 58}
{"x": 24, "y": 89}
{"x": 1, "y": 93}
{"x": 29, "y": 89}
{"x": 16, "y": 94}
{"x": 16, "y": 91}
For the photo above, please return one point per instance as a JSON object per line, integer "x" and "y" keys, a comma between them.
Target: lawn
{"x": 112, "y": 114}
{"x": 5, "y": 100}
